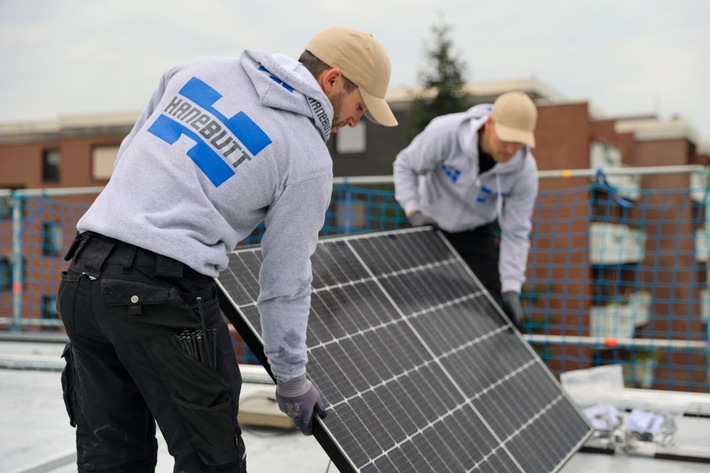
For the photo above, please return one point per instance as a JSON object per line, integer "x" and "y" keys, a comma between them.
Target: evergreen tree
{"x": 442, "y": 82}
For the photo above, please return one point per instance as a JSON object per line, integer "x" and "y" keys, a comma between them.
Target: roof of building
{"x": 36, "y": 435}
{"x": 654, "y": 128}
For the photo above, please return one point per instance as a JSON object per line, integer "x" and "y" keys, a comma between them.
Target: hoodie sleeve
{"x": 292, "y": 226}
{"x": 428, "y": 149}
{"x": 516, "y": 223}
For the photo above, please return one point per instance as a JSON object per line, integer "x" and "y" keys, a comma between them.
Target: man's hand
{"x": 513, "y": 309}
{"x": 418, "y": 219}
{"x": 299, "y": 399}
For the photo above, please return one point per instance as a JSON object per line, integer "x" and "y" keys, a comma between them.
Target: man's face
{"x": 501, "y": 151}
{"x": 348, "y": 106}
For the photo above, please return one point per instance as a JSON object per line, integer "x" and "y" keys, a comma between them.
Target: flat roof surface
{"x": 35, "y": 437}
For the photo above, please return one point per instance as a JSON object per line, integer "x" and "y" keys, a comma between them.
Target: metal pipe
{"x": 617, "y": 342}
{"x": 624, "y": 171}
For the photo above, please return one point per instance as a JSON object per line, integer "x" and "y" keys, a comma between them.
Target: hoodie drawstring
{"x": 499, "y": 202}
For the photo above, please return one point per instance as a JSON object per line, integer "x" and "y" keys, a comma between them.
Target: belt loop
{"x": 128, "y": 258}
{"x": 93, "y": 255}
{"x": 76, "y": 242}
{"x": 83, "y": 240}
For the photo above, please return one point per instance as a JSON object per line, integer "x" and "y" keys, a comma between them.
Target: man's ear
{"x": 328, "y": 78}
{"x": 488, "y": 124}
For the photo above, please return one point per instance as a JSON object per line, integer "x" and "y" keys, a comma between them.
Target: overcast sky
{"x": 625, "y": 57}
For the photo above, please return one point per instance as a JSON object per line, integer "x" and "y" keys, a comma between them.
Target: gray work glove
{"x": 513, "y": 309}
{"x": 418, "y": 219}
{"x": 299, "y": 399}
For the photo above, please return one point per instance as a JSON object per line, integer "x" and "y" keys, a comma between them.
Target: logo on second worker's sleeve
{"x": 221, "y": 143}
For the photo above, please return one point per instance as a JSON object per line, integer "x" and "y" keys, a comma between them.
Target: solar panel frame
{"x": 414, "y": 294}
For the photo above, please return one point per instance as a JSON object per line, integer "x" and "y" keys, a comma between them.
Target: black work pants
{"x": 124, "y": 309}
{"x": 479, "y": 248}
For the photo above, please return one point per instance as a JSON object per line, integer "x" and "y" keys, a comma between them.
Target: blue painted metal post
{"x": 16, "y": 203}
{"x": 348, "y": 206}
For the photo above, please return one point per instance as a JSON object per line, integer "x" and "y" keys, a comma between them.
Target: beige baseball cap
{"x": 514, "y": 117}
{"x": 363, "y": 61}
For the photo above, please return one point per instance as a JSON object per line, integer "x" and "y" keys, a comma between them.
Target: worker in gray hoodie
{"x": 224, "y": 144}
{"x": 464, "y": 172}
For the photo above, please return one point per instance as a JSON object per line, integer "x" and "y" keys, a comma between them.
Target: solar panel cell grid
{"x": 420, "y": 370}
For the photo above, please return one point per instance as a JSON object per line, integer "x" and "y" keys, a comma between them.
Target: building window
{"x": 49, "y": 307}
{"x": 351, "y": 140}
{"x": 102, "y": 159}
{"x": 5, "y": 274}
{"x": 52, "y": 238}
{"x": 51, "y": 159}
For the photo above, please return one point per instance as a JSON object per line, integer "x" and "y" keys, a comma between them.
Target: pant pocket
{"x": 68, "y": 384}
{"x": 66, "y": 297}
{"x": 141, "y": 310}
{"x": 202, "y": 398}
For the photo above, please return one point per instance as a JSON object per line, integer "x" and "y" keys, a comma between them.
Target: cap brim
{"x": 514, "y": 136}
{"x": 378, "y": 111}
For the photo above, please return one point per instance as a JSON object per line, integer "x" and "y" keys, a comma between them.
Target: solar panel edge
{"x": 253, "y": 340}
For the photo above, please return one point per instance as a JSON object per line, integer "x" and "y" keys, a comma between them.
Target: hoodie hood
{"x": 284, "y": 83}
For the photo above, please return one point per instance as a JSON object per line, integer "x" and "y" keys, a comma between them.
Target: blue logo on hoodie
{"x": 451, "y": 173}
{"x": 218, "y": 139}
{"x": 484, "y": 195}
{"x": 277, "y": 80}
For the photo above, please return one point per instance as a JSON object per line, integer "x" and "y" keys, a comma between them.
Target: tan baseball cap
{"x": 514, "y": 117}
{"x": 363, "y": 61}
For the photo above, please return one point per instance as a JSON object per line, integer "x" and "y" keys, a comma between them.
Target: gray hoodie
{"x": 438, "y": 175}
{"x": 224, "y": 144}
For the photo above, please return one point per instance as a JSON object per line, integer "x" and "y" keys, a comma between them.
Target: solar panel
{"x": 420, "y": 370}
